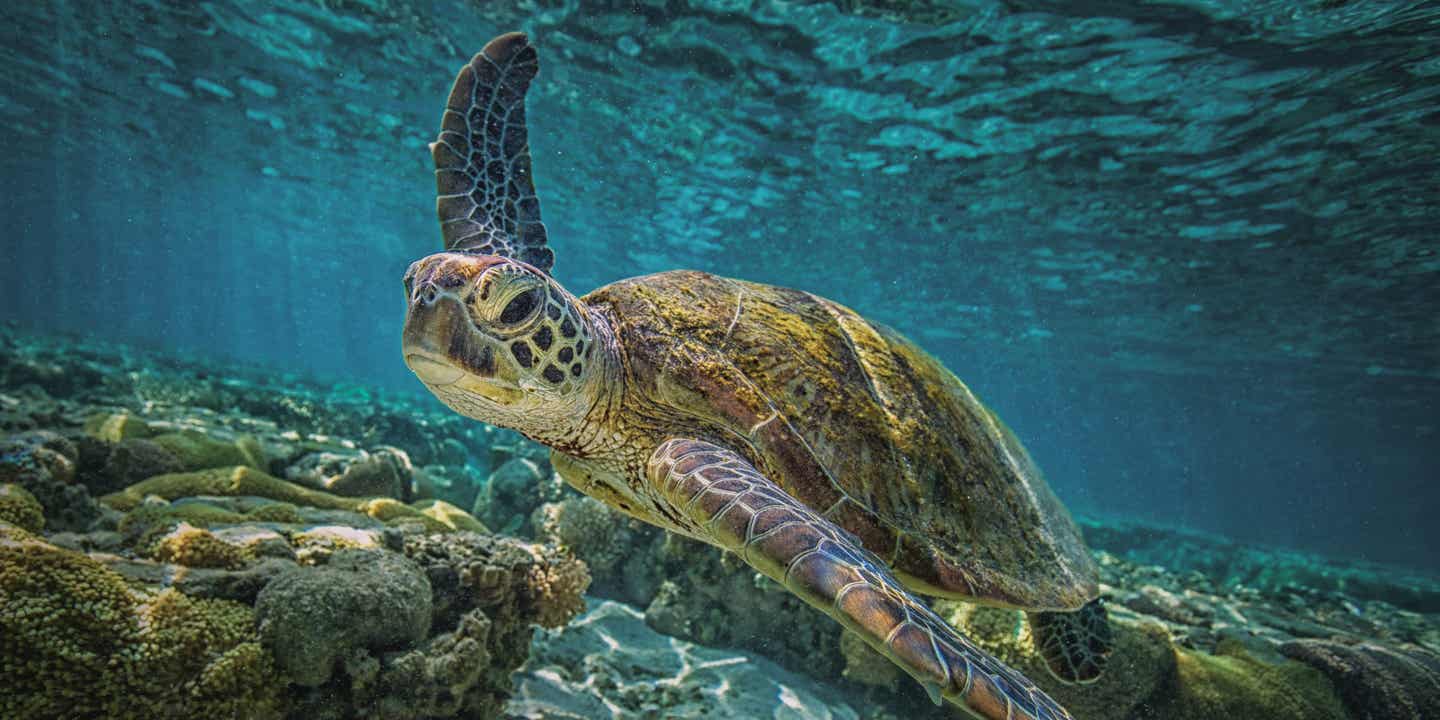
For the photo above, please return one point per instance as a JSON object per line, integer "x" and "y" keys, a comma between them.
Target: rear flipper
{"x": 715, "y": 494}
{"x": 1075, "y": 644}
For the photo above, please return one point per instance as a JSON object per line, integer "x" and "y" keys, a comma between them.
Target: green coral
{"x": 198, "y": 451}
{"x": 393, "y": 512}
{"x": 114, "y": 427}
{"x": 20, "y": 508}
{"x": 226, "y": 481}
{"x": 451, "y": 516}
{"x": 246, "y": 481}
{"x": 75, "y": 641}
{"x": 277, "y": 512}
{"x": 148, "y": 517}
{"x": 1233, "y": 684}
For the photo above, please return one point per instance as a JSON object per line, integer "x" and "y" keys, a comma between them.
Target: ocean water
{"x": 1188, "y": 250}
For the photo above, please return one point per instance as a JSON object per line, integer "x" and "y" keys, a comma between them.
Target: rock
{"x": 451, "y": 452}
{"x": 1376, "y": 682}
{"x": 458, "y": 485}
{"x": 511, "y": 494}
{"x": 315, "y": 545}
{"x": 314, "y": 618}
{"x": 133, "y": 460}
{"x": 256, "y": 541}
{"x": 386, "y": 472}
{"x": 610, "y": 664}
{"x": 43, "y": 463}
{"x": 93, "y": 541}
{"x": 1159, "y": 602}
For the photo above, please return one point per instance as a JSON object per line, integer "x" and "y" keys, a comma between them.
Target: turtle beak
{"x": 432, "y": 371}
{"x": 445, "y": 351}
{"x": 432, "y": 326}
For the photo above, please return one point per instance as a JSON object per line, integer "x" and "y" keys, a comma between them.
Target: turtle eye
{"x": 521, "y": 307}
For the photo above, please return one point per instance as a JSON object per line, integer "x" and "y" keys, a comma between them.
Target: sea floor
{"x": 182, "y": 538}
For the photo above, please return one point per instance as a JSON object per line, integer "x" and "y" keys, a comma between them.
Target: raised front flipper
{"x": 721, "y": 497}
{"x": 486, "y": 196}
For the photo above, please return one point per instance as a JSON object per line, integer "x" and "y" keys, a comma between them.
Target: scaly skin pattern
{"x": 741, "y": 511}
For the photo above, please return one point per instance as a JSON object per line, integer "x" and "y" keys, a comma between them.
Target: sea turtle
{"x": 829, "y": 452}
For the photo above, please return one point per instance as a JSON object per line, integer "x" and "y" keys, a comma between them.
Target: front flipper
{"x": 719, "y": 496}
{"x": 1074, "y": 644}
{"x": 485, "y": 193}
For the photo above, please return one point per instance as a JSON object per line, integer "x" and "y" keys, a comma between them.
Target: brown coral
{"x": 190, "y": 546}
{"x": 557, "y": 588}
{"x": 595, "y": 533}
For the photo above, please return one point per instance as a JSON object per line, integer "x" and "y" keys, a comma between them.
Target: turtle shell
{"x": 857, "y": 422}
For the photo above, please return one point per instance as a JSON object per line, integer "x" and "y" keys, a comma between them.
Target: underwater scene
{"x": 720, "y": 359}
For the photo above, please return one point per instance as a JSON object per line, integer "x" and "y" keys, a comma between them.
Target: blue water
{"x": 1187, "y": 249}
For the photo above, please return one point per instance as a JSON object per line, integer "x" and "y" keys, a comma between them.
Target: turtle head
{"x": 500, "y": 341}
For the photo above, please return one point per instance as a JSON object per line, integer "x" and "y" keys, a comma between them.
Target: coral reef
{"x": 385, "y": 472}
{"x": 19, "y": 508}
{"x": 76, "y": 641}
{"x": 198, "y": 451}
{"x": 599, "y": 536}
{"x": 539, "y": 583}
{"x": 447, "y": 677}
{"x": 313, "y": 618}
{"x": 1232, "y": 684}
{"x": 1223, "y": 564}
{"x": 225, "y": 481}
{"x": 450, "y": 516}
{"x": 190, "y": 546}
{"x": 513, "y": 491}
{"x": 43, "y": 463}
{"x": 163, "y": 610}
{"x": 116, "y": 427}
{"x": 866, "y": 666}
{"x": 213, "y": 588}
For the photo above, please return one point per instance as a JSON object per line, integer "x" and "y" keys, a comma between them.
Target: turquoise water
{"x": 1186, "y": 249}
